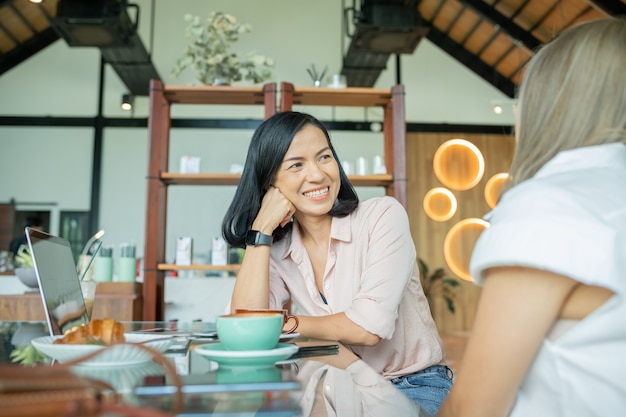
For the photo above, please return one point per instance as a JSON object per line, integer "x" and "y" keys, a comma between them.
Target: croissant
{"x": 97, "y": 332}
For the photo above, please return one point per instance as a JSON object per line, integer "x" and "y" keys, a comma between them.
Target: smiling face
{"x": 309, "y": 173}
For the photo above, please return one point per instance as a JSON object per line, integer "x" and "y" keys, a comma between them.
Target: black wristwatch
{"x": 256, "y": 238}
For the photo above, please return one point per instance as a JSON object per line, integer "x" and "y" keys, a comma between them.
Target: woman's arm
{"x": 336, "y": 327}
{"x": 517, "y": 308}
{"x": 252, "y": 286}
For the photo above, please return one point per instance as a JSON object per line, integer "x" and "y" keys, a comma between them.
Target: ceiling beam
{"x": 27, "y": 49}
{"x": 471, "y": 61}
{"x": 610, "y": 7}
{"x": 9, "y": 34}
{"x": 23, "y": 19}
{"x": 505, "y": 23}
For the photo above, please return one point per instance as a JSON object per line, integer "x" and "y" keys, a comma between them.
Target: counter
{"x": 122, "y": 301}
{"x": 186, "y": 299}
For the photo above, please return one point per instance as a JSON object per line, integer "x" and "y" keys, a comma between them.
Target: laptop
{"x": 62, "y": 296}
{"x": 59, "y": 284}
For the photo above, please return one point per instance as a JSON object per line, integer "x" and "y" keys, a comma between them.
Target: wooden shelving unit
{"x": 197, "y": 267}
{"x": 168, "y": 178}
{"x": 184, "y": 94}
{"x": 159, "y": 177}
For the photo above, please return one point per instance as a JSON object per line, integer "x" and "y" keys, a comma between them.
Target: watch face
{"x": 251, "y": 238}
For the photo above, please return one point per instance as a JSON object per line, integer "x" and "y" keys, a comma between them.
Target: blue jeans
{"x": 428, "y": 387}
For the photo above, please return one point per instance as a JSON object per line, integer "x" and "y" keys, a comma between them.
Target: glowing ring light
{"x": 440, "y": 204}
{"x": 459, "y": 245}
{"x": 458, "y": 164}
{"x": 493, "y": 188}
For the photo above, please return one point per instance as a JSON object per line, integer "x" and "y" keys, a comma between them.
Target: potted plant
{"x": 25, "y": 268}
{"x": 438, "y": 284}
{"x": 209, "y": 52}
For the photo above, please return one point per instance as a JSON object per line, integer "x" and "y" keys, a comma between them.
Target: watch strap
{"x": 256, "y": 238}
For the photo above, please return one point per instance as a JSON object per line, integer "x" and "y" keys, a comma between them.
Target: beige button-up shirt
{"x": 372, "y": 275}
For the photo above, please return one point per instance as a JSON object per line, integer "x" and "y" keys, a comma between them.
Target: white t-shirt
{"x": 570, "y": 219}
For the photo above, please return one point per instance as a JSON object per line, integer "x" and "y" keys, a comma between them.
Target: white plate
{"x": 246, "y": 358}
{"x": 118, "y": 355}
{"x": 288, "y": 336}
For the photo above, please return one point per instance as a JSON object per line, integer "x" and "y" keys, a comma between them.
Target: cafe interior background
{"x": 53, "y": 160}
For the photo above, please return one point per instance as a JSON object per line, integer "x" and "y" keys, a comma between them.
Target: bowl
{"x": 249, "y": 331}
{"x": 27, "y": 276}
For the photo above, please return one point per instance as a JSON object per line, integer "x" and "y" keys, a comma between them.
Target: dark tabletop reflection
{"x": 339, "y": 385}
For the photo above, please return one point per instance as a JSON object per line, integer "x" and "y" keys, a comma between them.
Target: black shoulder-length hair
{"x": 266, "y": 152}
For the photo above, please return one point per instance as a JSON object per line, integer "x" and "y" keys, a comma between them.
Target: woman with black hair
{"x": 349, "y": 267}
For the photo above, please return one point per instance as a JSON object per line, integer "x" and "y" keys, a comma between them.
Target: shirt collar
{"x": 578, "y": 159}
{"x": 585, "y": 157}
{"x": 340, "y": 229}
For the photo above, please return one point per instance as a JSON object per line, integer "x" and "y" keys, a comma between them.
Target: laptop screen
{"x": 59, "y": 284}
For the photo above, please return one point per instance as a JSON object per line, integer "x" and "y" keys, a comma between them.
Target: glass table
{"x": 333, "y": 384}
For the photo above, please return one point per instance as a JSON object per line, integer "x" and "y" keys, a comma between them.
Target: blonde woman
{"x": 550, "y": 332}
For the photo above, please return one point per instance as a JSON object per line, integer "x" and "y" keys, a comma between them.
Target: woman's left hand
{"x": 276, "y": 210}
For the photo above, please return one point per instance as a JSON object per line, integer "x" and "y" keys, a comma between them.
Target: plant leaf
{"x": 208, "y": 52}
{"x": 451, "y": 282}
{"x": 450, "y": 304}
{"x": 423, "y": 267}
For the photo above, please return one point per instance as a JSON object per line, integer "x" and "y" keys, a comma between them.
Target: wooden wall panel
{"x": 7, "y": 225}
{"x": 428, "y": 234}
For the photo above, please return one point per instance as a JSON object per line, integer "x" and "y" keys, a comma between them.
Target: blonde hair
{"x": 573, "y": 94}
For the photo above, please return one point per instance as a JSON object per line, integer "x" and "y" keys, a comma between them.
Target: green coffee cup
{"x": 249, "y": 331}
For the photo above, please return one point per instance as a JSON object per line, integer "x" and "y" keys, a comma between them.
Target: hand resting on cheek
{"x": 276, "y": 210}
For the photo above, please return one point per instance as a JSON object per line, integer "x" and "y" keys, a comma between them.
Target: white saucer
{"x": 288, "y": 336}
{"x": 246, "y": 358}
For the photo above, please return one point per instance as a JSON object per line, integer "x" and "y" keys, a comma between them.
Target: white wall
{"x": 54, "y": 164}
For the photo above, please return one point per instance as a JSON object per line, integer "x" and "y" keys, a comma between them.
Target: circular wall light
{"x": 440, "y": 204}
{"x": 459, "y": 245}
{"x": 458, "y": 164}
{"x": 493, "y": 188}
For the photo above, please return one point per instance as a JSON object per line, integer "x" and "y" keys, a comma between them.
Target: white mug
{"x": 379, "y": 165}
{"x": 361, "y": 166}
{"x": 347, "y": 167}
{"x": 337, "y": 81}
